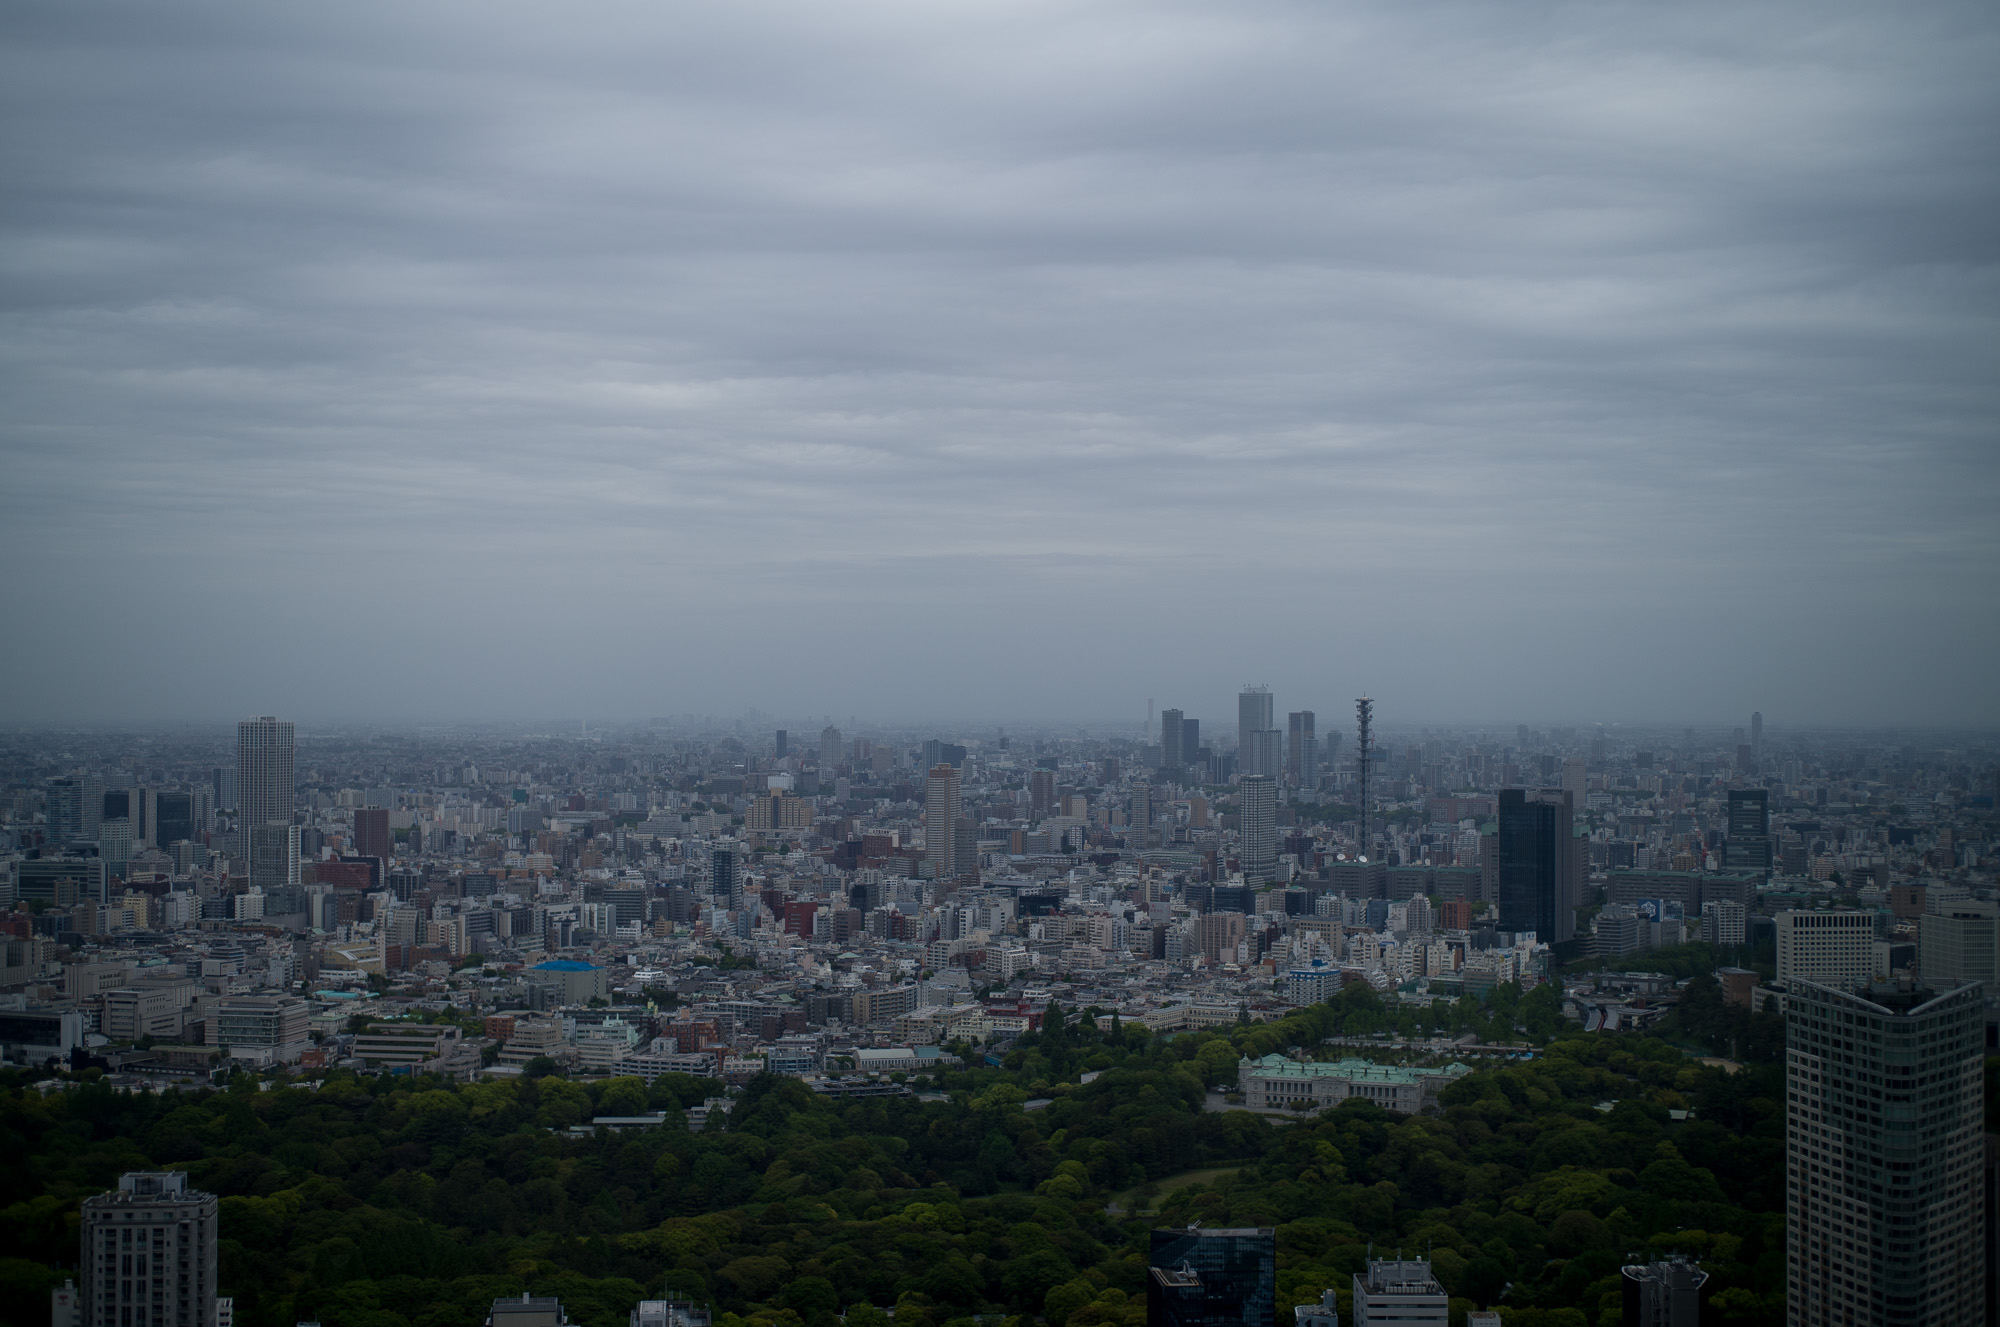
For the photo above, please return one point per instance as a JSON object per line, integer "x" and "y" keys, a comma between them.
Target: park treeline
{"x": 372, "y": 1201}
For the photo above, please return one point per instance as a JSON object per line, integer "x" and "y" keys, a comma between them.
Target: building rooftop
{"x": 1402, "y": 1276}
{"x": 1351, "y": 1070}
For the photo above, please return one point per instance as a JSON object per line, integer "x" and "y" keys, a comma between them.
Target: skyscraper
{"x": 1042, "y": 793}
{"x": 175, "y": 818}
{"x": 148, "y": 1254}
{"x": 1140, "y": 820}
{"x": 1749, "y": 812}
{"x": 76, "y": 809}
{"x": 1748, "y": 847}
{"x": 783, "y": 745}
{"x": 1171, "y": 731}
{"x": 1256, "y": 733}
{"x": 1538, "y": 863}
{"x": 1886, "y": 1217}
{"x": 829, "y": 750}
{"x": 372, "y": 836}
{"x": 274, "y": 857}
{"x": 724, "y": 864}
{"x": 263, "y": 786}
{"x": 1213, "y": 1278}
{"x": 941, "y": 812}
{"x": 1258, "y": 816}
{"x": 1301, "y": 749}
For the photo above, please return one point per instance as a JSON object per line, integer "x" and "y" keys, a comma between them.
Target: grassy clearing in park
{"x": 1132, "y": 1200}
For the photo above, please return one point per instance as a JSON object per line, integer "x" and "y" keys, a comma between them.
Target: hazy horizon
{"x": 412, "y": 363}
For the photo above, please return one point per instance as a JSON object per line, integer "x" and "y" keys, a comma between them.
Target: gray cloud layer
{"x": 1560, "y": 360}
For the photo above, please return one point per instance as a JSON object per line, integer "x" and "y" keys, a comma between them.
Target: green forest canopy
{"x": 393, "y": 1202}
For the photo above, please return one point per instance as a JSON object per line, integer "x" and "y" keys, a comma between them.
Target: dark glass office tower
{"x": 1538, "y": 863}
{"x": 1213, "y": 1278}
{"x": 1173, "y": 726}
{"x": 1749, "y": 812}
{"x": 723, "y": 865}
{"x": 176, "y": 818}
{"x": 1748, "y": 847}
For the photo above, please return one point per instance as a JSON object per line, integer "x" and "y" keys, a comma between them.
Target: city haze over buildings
{"x": 1562, "y": 364}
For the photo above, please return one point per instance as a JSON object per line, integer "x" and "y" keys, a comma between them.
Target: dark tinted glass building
{"x": 1538, "y": 863}
{"x": 1213, "y": 1278}
{"x": 1749, "y": 812}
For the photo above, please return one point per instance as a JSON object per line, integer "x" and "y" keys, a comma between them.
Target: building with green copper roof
{"x": 1277, "y": 1083}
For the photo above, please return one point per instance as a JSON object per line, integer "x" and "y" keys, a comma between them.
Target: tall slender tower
{"x": 1364, "y": 739}
{"x": 941, "y": 821}
{"x": 1256, "y": 732}
{"x": 1301, "y": 749}
{"x": 1173, "y": 727}
{"x": 1258, "y": 817}
{"x": 264, "y": 789}
{"x": 1140, "y": 818}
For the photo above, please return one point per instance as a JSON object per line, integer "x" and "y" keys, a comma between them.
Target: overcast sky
{"x": 1011, "y": 359}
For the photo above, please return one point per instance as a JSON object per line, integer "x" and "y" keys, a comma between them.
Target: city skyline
{"x": 1637, "y": 363}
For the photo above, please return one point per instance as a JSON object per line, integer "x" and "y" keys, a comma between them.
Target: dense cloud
{"x": 1568, "y": 361}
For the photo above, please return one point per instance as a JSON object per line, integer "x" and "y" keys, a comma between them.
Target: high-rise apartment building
{"x": 1886, "y": 1217}
{"x": 274, "y": 857}
{"x": 1213, "y": 1278}
{"x": 1539, "y": 866}
{"x": 1172, "y": 729}
{"x": 941, "y": 813}
{"x": 1836, "y": 947}
{"x": 1257, "y": 734}
{"x": 372, "y": 836}
{"x": 75, "y": 809}
{"x": 264, "y": 783}
{"x": 725, "y": 864}
{"x": 148, "y": 1254}
{"x": 1724, "y": 922}
{"x": 1139, "y": 821}
{"x": 1042, "y": 793}
{"x": 1257, "y": 811}
{"x": 829, "y": 750}
{"x": 1301, "y": 749}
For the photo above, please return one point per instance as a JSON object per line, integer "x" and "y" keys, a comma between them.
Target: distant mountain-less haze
{"x": 458, "y": 361}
